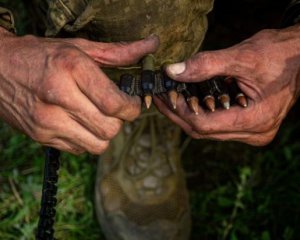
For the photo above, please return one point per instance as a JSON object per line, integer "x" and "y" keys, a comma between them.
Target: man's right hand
{"x": 54, "y": 91}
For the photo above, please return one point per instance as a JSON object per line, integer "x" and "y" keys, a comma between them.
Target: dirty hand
{"x": 54, "y": 91}
{"x": 267, "y": 68}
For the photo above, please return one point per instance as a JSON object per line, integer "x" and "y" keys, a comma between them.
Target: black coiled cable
{"x": 45, "y": 229}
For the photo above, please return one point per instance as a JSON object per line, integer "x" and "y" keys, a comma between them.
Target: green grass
{"x": 21, "y": 183}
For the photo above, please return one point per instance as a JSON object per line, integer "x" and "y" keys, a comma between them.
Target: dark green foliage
{"x": 242, "y": 192}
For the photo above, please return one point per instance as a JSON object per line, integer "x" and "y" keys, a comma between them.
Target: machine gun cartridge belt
{"x": 216, "y": 92}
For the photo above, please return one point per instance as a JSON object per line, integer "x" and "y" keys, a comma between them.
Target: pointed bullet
{"x": 242, "y": 100}
{"x": 225, "y": 101}
{"x": 210, "y": 103}
{"x": 148, "y": 101}
{"x": 193, "y": 103}
{"x": 236, "y": 92}
{"x": 173, "y": 96}
{"x": 148, "y": 79}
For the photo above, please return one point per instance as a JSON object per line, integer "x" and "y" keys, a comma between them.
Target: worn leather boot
{"x": 140, "y": 188}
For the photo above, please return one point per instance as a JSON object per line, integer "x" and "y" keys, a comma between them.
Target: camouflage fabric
{"x": 7, "y": 20}
{"x": 180, "y": 24}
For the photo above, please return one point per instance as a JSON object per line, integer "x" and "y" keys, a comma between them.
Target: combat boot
{"x": 140, "y": 188}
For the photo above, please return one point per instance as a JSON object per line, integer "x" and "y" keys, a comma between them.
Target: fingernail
{"x": 177, "y": 68}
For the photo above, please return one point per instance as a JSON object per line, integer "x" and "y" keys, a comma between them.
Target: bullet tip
{"x": 225, "y": 101}
{"x": 148, "y": 101}
{"x": 242, "y": 100}
{"x": 210, "y": 103}
{"x": 193, "y": 103}
{"x": 173, "y": 96}
{"x": 226, "y": 105}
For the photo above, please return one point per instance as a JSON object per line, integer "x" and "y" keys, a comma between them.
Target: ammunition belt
{"x": 221, "y": 91}
{"x": 151, "y": 82}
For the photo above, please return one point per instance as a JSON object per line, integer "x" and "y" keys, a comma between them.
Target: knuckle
{"x": 267, "y": 126}
{"x": 32, "y": 39}
{"x": 134, "y": 113}
{"x": 111, "y": 107}
{"x": 270, "y": 136}
{"x": 75, "y": 151}
{"x": 195, "y": 135}
{"x": 48, "y": 88}
{"x": 38, "y": 135}
{"x": 204, "y": 61}
{"x": 66, "y": 58}
{"x": 45, "y": 119}
{"x": 112, "y": 129}
{"x": 80, "y": 42}
{"x": 221, "y": 138}
{"x": 40, "y": 117}
{"x": 261, "y": 140}
{"x": 270, "y": 122}
{"x": 192, "y": 134}
{"x": 204, "y": 128}
{"x": 53, "y": 90}
{"x": 99, "y": 148}
{"x": 56, "y": 96}
{"x": 115, "y": 128}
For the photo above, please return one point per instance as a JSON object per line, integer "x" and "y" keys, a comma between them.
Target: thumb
{"x": 204, "y": 66}
{"x": 118, "y": 54}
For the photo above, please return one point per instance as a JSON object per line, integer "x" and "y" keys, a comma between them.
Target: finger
{"x": 117, "y": 54}
{"x": 72, "y": 66}
{"x": 105, "y": 95}
{"x": 188, "y": 129}
{"x": 207, "y": 122}
{"x": 254, "y": 139}
{"x": 80, "y": 108}
{"x": 238, "y": 137}
{"x": 233, "y": 120}
{"x": 58, "y": 124}
{"x": 87, "y": 114}
{"x": 166, "y": 110}
{"x": 206, "y": 65}
{"x": 241, "y": 136}
{"x": 65, "y": 145}
{"x": 196, "y": 130}
{"x": 82, "y": 137}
